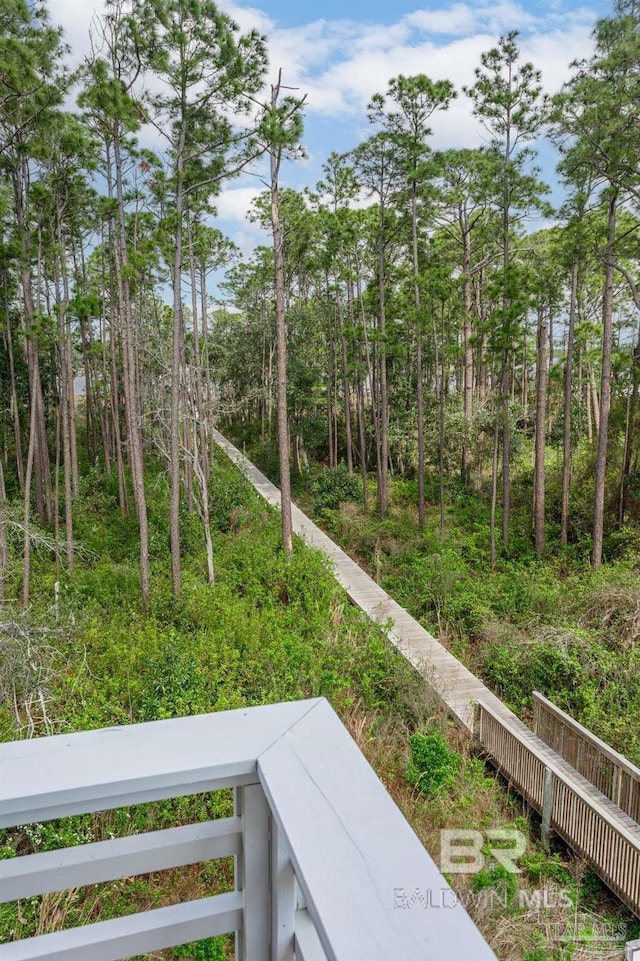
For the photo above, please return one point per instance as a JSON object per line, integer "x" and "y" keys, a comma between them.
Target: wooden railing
{"x": 609, "y": 771}
{"x": 570, "y": 806}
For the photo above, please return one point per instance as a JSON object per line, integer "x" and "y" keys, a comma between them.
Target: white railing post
{"x": 632, "y": 951}
{"x": 252, "y": 874}
{"x": 283, "y": 898}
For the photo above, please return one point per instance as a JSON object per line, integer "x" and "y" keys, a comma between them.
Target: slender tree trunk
{"x": 26, "y": 571}
{"x": 419, "y": 370}
{"x": 605, "y": 388}
{"x": 632, "y": 407}
{"x": 540, "y": 443}
{"x": 86, "y": 338}
{"x": 56, "y": 493}
{"x": 205, "y": 356}
{"x": 176, "y": 365}
{"x": 383, "y": 490}
{"x": 506, "y": 449}
{"x": 525, "y": 381}
{"x": 15, "y": 409}
{"x": 441, "y": 421}
{"x": 587, "y": 393}
{"x": 64, "y": 335}
{"x": 41, "y": 453}
{"x": 281, "y": 340}
{"x": 132, "y": 397}
{"x": 594, "y": 400}
{"x": 346, "y": 390}
{"x": 506, "y": 353}
{"x": 114, "y": 396}
{"x": 467, "y": 333}
{"x": 106, "y": 422}
{"x": 568, "y": 391}
{"x": 61, "y": 304}
{"x": 4, "y": 551}
{"x": 363, "y": 442}
{"x": 371, "y": 378}
{"x": 200, "y": 442}
{"x": 483, "y": 372}
{"x": 330, "y": 374}
{"x": 494, "y": 494}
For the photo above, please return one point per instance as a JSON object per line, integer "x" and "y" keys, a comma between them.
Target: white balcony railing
{"x": 321, "y": 851}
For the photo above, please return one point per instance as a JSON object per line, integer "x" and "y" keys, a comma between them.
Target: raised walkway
{"x": 590, "y": 823}
{"x": 457, "y": 687}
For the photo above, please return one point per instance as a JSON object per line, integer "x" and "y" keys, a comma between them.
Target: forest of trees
{"x": 406, "y": 320}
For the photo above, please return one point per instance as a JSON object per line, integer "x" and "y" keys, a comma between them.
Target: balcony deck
{"x": 320, "y": 849}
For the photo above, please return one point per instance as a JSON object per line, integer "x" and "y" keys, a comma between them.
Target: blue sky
{"x": 340, "y": 53}
{"x": 291, "y": 13}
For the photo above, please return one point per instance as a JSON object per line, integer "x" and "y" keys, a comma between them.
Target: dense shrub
{"x": 332, "y": 486}
{"x": 433, "y": 765}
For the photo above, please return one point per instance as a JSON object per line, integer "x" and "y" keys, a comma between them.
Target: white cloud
{"x": 458, "y": 19}
{"x": 234, "y": 202}
{"x": 247, "y": 17}
{"x": 341, "y": 63}
{"x": 247, "y": 240}
{"x": 463, "y": 19}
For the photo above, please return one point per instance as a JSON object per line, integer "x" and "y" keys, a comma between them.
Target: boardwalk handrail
{"x": 587, "y": 820}
{"x": 611, "y": 772}
{"x": 320, "y": 848}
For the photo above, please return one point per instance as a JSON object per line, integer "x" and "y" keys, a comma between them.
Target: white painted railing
{"x": 321, "y": 851}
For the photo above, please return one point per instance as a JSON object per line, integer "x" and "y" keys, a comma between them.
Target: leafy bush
{"x": 552, "y": 664}
{"x": 228, "y": 494}
{"x": 541, "y": 866}
{"x": 498, "y": 878}
{"x": 432, "y": 765}
{"x": 332, "y": 486}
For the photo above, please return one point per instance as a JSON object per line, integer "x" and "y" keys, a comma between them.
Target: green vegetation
{"x": 468, "y": 375}
{"x": 556, "y": 625}
{"x": 266, "y": 631}
{"x": 432, "y": 765}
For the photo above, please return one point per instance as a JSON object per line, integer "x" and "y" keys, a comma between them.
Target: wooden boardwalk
{"x": 596, "y": 828}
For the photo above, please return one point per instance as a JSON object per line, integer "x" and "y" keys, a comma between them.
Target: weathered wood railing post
{"x": 616, "y": 788}
{"x": 547, "y": 807}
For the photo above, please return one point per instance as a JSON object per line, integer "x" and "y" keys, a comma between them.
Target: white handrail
{"x": 311, "y": 817}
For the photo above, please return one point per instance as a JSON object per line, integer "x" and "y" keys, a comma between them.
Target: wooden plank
{"x": 307, "y": 942}
{"x": 619, "y": 759}
{"x": 50, "y": 777}
{"x": 254, "y": 874}
{"x": 35, "y": 874}
{"x": 134, "y": 934}
{"x": 609, "y": 771}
